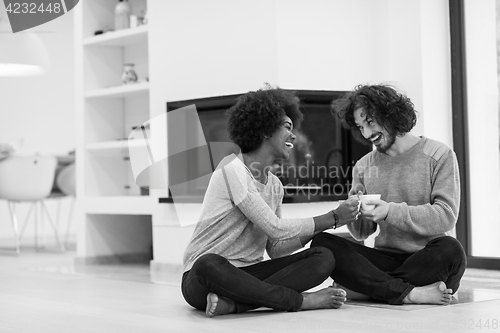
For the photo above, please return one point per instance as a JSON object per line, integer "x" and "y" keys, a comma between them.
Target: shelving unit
{"x": 107, "y": 112}
{"x": 119, "y": 91}
{"x": 120, "y": 38}
{"x": 110, "y": 146}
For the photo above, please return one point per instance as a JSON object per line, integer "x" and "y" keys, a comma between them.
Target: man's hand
{"x": 378, "y": 214}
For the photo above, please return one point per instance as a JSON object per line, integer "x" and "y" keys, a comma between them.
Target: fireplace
{"x": 320, "y": 167}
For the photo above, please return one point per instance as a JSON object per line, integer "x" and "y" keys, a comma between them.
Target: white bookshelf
{"x": 108, "y": 146}
{"x": 118, "y": 38}
{"x": 121, "y": 91}
{"x": 107, "y": 111}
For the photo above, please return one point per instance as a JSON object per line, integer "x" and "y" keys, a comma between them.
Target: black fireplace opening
{"x": 319, "y": 168}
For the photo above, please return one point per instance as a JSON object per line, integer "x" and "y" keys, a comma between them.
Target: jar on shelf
{"x": 129, "y": 75}
{"x": 144, "y": 15}
{"x": 122, "y": 15}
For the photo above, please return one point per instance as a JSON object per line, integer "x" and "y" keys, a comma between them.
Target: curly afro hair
{"x": 392, "y": 110}
{"x": 260, "y": 113}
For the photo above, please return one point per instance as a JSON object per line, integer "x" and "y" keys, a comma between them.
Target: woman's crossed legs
{"x": 218, "y": 287}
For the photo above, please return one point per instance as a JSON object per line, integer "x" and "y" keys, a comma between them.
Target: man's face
{"x": 372, "y": 131}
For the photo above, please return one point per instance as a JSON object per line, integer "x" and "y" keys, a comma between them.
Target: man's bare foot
{"x": 351, "y": 294}
{"x": 435, "y": 293}
{"x": 327, "y": 298}
{"x": 217, "y": 305}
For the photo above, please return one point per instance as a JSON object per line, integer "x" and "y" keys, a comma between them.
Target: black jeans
{"x": 389, "y": 277}
{"x": 275, "y": 283}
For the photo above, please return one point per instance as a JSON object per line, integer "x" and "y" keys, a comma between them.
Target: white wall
{"x": 336, "y": 45}
{"x": 200, "y": 49}
{"x": 37, "y": 113}
{"x": 435, "y": 120}
{"x": 213, "y": 47}
{"x": 332, "y": 45}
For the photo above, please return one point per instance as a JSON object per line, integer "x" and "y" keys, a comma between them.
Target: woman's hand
{"x": 347, "y": 211}
{"x": 378, "y": 214}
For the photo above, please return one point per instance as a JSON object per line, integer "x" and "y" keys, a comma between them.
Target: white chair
{"x": 27, "y": 179}
{"x": 66, "y": 183}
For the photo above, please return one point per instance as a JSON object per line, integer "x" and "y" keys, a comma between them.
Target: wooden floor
{"x": 45, "y": 292}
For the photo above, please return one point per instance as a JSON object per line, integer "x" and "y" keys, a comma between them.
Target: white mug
{"x": 368, "y": 197}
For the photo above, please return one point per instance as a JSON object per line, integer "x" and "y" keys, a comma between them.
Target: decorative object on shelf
{"x": 129, "y": 75}
{"x": 144, "y": 16}
{"x": 102, "y": 31}
{"x": 6, "y": 149}
{"x": 134, "y": 22}
{"x": 122, "y": 15}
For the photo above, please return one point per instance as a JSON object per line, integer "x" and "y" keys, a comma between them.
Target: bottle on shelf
{"x": 122, "y": 15}
{"x": 144, "y": 16}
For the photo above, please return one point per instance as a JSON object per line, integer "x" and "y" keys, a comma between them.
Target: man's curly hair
{"x": 392, "y": 110}
{"x": 260, "y": 113}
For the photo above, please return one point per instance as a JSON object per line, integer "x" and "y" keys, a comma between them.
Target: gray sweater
{"x": 241, "y": 218}
{"x": 422, "y": 187}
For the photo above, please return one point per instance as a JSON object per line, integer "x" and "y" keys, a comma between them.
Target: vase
{"x": 144, "y": 17}
{"x": 122, "y": 15}
{"x": 129, "y": 75}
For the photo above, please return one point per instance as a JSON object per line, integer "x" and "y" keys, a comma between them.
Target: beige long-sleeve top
{"x": 241, "y": 218}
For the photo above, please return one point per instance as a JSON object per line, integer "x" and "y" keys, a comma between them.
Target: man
{"x": 414, "y": 260}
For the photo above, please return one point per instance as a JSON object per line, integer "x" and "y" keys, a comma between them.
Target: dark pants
{"x": 275, "y": 283}
{"x": 389, "y": 277}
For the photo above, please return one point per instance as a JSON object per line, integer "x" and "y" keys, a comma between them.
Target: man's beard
{"x": 390, "y": 139}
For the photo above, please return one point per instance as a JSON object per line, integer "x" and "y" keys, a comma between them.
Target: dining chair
{"x": 65, "y": 182}
{"x": 28, "y": 179}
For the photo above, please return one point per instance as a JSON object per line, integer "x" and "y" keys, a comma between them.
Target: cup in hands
{"x": 367, "y": 198}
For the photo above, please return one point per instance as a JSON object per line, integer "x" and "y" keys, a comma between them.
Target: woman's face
{"x": 282, "y": 139}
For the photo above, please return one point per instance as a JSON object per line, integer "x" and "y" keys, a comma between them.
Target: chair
{"x": 65, "y": 183}
{"x": 27, "y": 179}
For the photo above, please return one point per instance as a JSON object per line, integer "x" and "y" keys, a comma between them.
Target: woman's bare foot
{"x": 217, "y": 305}
{"x": 435, "y": 293}
{"x": 327, "y": 298}
{"x": 351, "y": 294}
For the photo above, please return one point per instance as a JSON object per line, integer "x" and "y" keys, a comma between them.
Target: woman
{"x": 224, "y": 270}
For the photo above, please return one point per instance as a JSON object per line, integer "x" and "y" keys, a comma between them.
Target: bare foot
{"x": 327, "y": 298}
{"x": 217, "y": 305}
{"x": 351, "y": 294}
{"x": 435, "y": 293}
